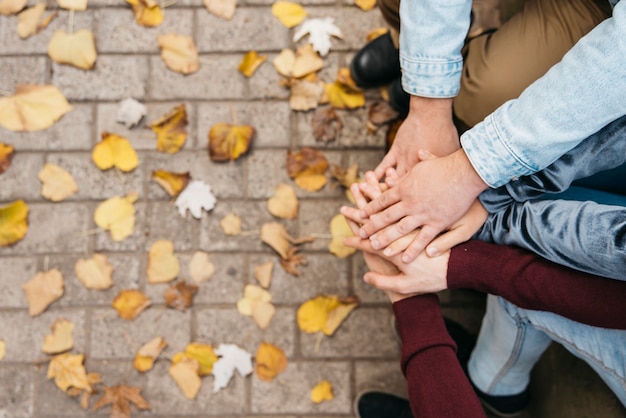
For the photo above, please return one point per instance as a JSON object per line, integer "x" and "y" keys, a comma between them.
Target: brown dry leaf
{"x": 114, "y": 151}
{"x": 130, "y": 302}
{"x": 13, "y": 222}
{"x": 171, "y": 130}
{"x": 120, "y": 398}
{"x": 324, "y": 313}
{"x": 221, "y": 8}
{"x": 163, "y": 265}
{"x": 185, "y": 374}
{"x": 284, "y": 62}
{"x": 61, "y": 338}
{"x": 148, "y": 353}
{"x": 270, "y": 361}
{"x": 380, "y": 113}
{"x": 326, "y": 124}
{"x": 293, "y": 260}
{"x": 307, "y": 168}
{"x": 57, "y": 184}
{"x": 30, "y": 20}
{"x": 117, "y": 215}
{"x": 323, "y": 391}
{"x": 228, "y": 142}
{"x": 147, "y": 12}
{"x": 77, "y": 49}
{"x": 231, "y": 224}
{"x": 305, "y": 95}
{"x": 275, "y": 235}
{"x": 284, "y": 204}
{"x": 173, "y": 183}
{"x": 307, "y": 61}
{"x": 6, "y": 156}
{"x": 180, "y": 295}
{"x": 11, "y": 7}
{"x": 68, "y": 371}
{"x": 200, "y": 267}
{"x": 256, "y": 303}
{"x": 77, "y": 5}
{"x": 365, "y": 5}
{"x": 43, "y": 289}
{"x": 179, "y": 53}
{"x": 340, "y": 96}
{"x": 250, "y": 62}
{"x": 32, "y": 108}
{"x": 340, "y": 230}
{"x": 345, "y": 176}
{"x": 94, "y": 272}
{"x": 290, "y": 14}
{"x": 263, "y": 274}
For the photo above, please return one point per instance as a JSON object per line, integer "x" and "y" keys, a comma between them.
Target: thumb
{"x": 384, "y": 282}
{"x": 425, "y": 155}
{"x": 446, "y": 241}
{"x": 388, "y": 161}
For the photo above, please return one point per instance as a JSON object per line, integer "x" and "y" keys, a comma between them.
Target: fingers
{"x": 387, "y": 234}
{"x": 447, "y": 240}
{"x": 359, "y": 197}
{"x": 354, "y": 227}
{"x": 422, "y": 239}
{"x": 389, "y": 283}
{"x": 389, "y": 212}
{"x": 359, "y": 244}
{"x": 389, "y": 160}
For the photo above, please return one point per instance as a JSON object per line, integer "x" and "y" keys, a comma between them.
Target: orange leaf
{"x": 6, "y": 155}
{"x": 250, "y": 62}
{"x": 147, "y": 12}
{"x": 13, "y": 222}
{"x": 180, "y": 295}
{"x": 173, "y": 183}
{"x": 120, "y": 398}
{"x": 148, "y": 353}
{"x": 228, "y": 142}
{"x": 171, "y": 130}
{"x": 270, "y": 362}
{"x": 307, "y": 168}
{"x": 130, "y": 303}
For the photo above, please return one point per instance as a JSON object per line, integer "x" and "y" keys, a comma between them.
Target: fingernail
{"x": 375, "y": 244}
{"x": 432, "y": 251}
{"x": 387, "y": 252}
{"x": 363, "y": 215}
{"x": 423, "y": 153}
{"x": 406, "y": 258}
{"x": 362, "y": 233}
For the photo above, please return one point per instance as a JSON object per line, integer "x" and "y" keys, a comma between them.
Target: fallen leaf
{"x": 326, "y": 125}
{"x": 221, "y": 8}
{"x": 68, "y": 371}
{"x": 130, "y": 112}
{"x": 228, "y": 142}
{"x": 307, "y": 168}
{"x": 365, "y": 5}
{"x": 284, "y": 204}
{"x": 57, "y": 184}
{"x": 95, "y": 272}
{"x": 305, "y": 95}
{"x": 196, "y": 197}
{"x": 77, "y": 5}
{"x": 290, "y": 14}
{"x": 202, "y": 353}
{"x": 147, "y": 12}
{"x": 344, "y": 77}
{"x": 13, "y": 222}
{"x": 275, "y": 235}
{"x": 323, "y": 391}
{"x": 172, "y": 183}
{"x": 324, "y": 313}
{"x": 256, "y": 303}
{"x": 120, "y": 398}
{"x": 117, "y": 215}
{"x": 200, "y": 267}
{"x": 345, "y": 176}
{"x": 375, "y": 33}
{"x": 263, "y": 274}
{"x": 61, "y": 338}
{"x": 180, "y": 295}
{"x": 130, "y": 302}
{"x": 284, "y": 62}
{"x": 77, "y": 48}
{"x": 6, "y": 156}
{"x": 270, "y": 362}
{"x": 42, "y": 290}
{"x": 29, "y": 20}
{"x": 231, "y": 224}
{"x": 11, "y": 7}
{"x": 148, "y": 353}
{"x": 114, "y": 151}
{"x": 341, "y": 97}
{"x": 185, "y": 374}
{"x": 171, "y": 130}
{"x": 339, "y": 229}
{"x": 293, "y": 260}
{"x": 179, "y": 53}
{"x": 3, "y": 350}
{"x": 306, "y": 62}
{"x": 319, "y": 31}
{"x": 231, "y": 358}
{"x": 32, "y": 108}
{"x": 339, "y": 314}
{"x": 380, "y": 113}
{"x": 250, "y": 63}
{"x": 163, "y": 264}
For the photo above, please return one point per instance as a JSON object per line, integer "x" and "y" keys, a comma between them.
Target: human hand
{"x": 460, "y": 231}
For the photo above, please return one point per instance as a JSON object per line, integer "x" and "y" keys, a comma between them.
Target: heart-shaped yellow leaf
{"x": 94, "y": 272}
{"x": 163, "y": 265}
{"x": 270, "y": 362}
{"x": 171, "y": 130}
{"x": 179, "y": 53}
{"x": 117, "y": 215}
{"x": 323, "y": 391}
{"x": 290, "y": 14}
{"x": 147, "y": 12}
{"x": 339, "y": 229}
{"x": 42, "y": 290}
{"x": 61, "y": 338}
{"x": 284, "y": 204}
{"x": 148, "y": 353}
{"x": 10, "y": 7}
{"x": 77, "y": 49}
{"x": 13, "y": 222}
{"x": 250, "y": 62}
{"x": 228, "y": 142}
{"x": 57, "y": 184}
{"x": 130, "y": 303}
{"x": 114, "y": 151}
{"x": 221, "y": 8}
{"x": 185, "y": 374}
{"x": 32, "y": 108}
{"x": 173, "y": 183}
{"x": 6, "y": 156}
{"x": 68, "y": 371}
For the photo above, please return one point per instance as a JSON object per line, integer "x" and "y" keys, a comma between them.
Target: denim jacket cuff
{"x": 431, "y": 78}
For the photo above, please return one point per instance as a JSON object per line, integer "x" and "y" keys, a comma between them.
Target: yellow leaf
{"x": 173, "y": 183}
{"x": 290, "y": 14}
{"x": 10, "y": 7}
{"x": 204, "y": 355}
{"x": 179, "y": 53}
{"x": 147, "y": 12}
{"x": 284, "y": 62}
{"x": 344, "y": 77}
{"x": 78, "y": 5}
{"x": 324, "y": 313}
{"x": 148, "y": 353}
{"x": 95, "y": 272}
{"x": 337, "y": 315}
{"x": 130, "y": 303}
{"x": 263, "y": 274}
{"x": 3, "y": 349}
{"x": 68, "y": 371}
{"x": 185, "y": 374}
{"x": 42, "y": 290}
{"x": 117, "y": 215}
{"x": 163, "y": 265}
{"x": 221, "y": 8}
{"x": 262, "y": 313}
{"x": 13, "y": 222}
{"x": 307, "y": 61}
{"x": 171, "y": 130}
{"x": 341, "y": 97}
{"x": 114, "y": 151}
{"x": 375, "y": 33}
{"x": 29, "y": 20}
{"x": 228, "y": 142}
{"x": 275, "y": 235}
{"x": 307, "y": 168}
{"x": 270, "y": 362}
{"x": 365, "y": 5}
{"x": 284, "y": 204}
{"x": 250, "y": 62}
{"x": 6, "y": 156}
{"x": 323, "y": 391}
{"x": 231, "y": 224}
{"x": 200, "y": 267}
{"x": 57, "y": 184}
{"x": 256, "y": 303}
{"x": 32, "y": 108}
{"x": 77, "y": 49}
{"x": 339, "y": 229}
{"x": 305, "y": 95}
{"x": 61, "y": 339}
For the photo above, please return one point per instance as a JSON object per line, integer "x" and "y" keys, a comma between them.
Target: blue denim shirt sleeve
{"x": 432, "y": 33}
{"x": 574, "y": 99}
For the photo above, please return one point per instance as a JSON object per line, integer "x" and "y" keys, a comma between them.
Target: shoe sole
{"x": 497, "y": 413}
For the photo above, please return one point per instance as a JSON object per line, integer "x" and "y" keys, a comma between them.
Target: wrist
{"x": 470, "y": 177}
{"x": 430, "y": 105}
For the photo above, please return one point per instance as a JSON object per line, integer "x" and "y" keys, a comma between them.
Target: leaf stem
{"x": 318, "y": 342}
{"x": 233, "y": 115}
{"x": 71, "y": 22}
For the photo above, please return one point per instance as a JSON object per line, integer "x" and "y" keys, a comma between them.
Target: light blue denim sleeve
{"x": 574, "y": 99}
{"x": 431, "y": 37}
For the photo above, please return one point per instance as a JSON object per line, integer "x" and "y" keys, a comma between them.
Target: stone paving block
{"x": 250, "y": 29}
{"x": 314, "y": 220}
{"x": 24, "y": 342}
{"x": 265, "y": 82}
{"x": 20, "y": 181}
{"x": 52, "y": 402}
{"x": 164, "y": 222}
{"x": 16, "y": 390}
{"x": 380, "y": 375}
{"x": 366, "y": 160}
{"x": 54, "y": 228}
{"x": 227, "y": 326}
{"x": 71, "y": 132}
{"x": 134, "y": 242}
{"x": 290, "y": 391}
{"x": 217, "y": 79}
{"x": 271, "y": 120}
{"x": 117, "y": 30}
{"x": 21, "y": 70}
{"x": 114, "y": 77}
{"x": 366, "y": 292}
{"x": 354, "y": 338}
{"x": 109, "y": 332}
{"x": 15, "y": 272}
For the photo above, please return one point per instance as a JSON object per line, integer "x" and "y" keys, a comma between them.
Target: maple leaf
{"x": 179, "y": 53}
{"x": 163, "y": 266}
{"x": 77, "y": 48}
{"x": 290, "y": 14}
{"x": 148, "y": 353}
{"x": 130, "y": 112}
{"x": 171, "y": 130}
{"x": 263, "y": 274}
{"x": 196, "y": 197}
{"x": 323, "y": 391}
{"x": 270, "y": 361}
{"x": 130, "y": 303}
{"x": 95, "y": 272}
{"x": 61, "y": 338}
{"x": 319, "y": 31}
{"x": 32, "y": 108}
{"x": 6, "y": 156}
{"x": 326, "y": 125}
{"x": 67, "y": 370}
{"x": 250, "y": 63}
{"x": 180, "y": 295}
{"x": 13, "y": 222}
{"x": 147, "y": 12}
{"x": 172, "y": 183}
{"x": 120, "y": 398}
{"x": 228, "y": 142}
{"x": 117, "y": 215}
{"x": 10, "y": 7}
{"x": 57, "y": 184}
{"x": 231, "y": 358}
{"x": 284, "y": 204}
{"x": 200, "y": 267}
{"x": 42, "y": 290}
{"x": 114, "y": 151}
{"x": 221, "y": 8}
{"x": 340, "y": 230}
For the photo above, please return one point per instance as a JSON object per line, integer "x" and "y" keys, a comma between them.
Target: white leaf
{"x": 196, "y": 196}
{"x": 130, "y": 112}
{"x": 320, "y": 31}
{"x": 231, "y": 358}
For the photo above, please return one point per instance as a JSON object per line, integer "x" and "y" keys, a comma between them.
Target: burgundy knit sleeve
{"x": 532, "y": 282}
{"x": 436, "y": 383}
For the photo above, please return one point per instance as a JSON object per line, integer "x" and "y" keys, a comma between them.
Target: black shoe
{"x": 398, "y": 98}
{"x": 381, "y": 405}
{"x": 376, "y": 64}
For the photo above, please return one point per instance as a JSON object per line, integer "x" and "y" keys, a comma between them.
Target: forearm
{"x": 532, "y": 282}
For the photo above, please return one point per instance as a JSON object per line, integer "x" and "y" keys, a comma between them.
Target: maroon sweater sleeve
{"x": 436, "y": 383}
{"x": 532, "y": 282}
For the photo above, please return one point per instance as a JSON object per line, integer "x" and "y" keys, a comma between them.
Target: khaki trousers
{"x": 499, "y": 65}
